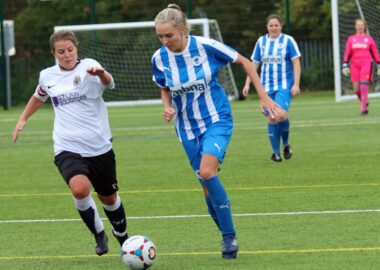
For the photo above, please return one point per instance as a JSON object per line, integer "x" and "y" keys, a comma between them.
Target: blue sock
{"x": 212, "y": 211}
{"x": 221, "y": 204}
{"x": 274, "y": 137}
{"x": 284, "y": 131}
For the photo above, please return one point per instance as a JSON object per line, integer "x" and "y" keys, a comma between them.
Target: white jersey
{"x": 275, "y": 57}
{"x": 192, "y": 77}
{"x": 81, "y": 118}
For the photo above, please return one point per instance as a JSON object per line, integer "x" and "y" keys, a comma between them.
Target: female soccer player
{"x": 82, "y": 136}
{"x": 186, "y": 68}
{"x": 360, "y": 48}
{"x": 279, "y": 56}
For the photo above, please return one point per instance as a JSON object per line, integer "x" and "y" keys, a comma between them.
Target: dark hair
{"x": 62, "y": 35}
{"x": 274, "y": 16}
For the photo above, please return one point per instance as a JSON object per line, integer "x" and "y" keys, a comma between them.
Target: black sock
{"x": 88, "y": 216}
{"x": 117, "y": 219}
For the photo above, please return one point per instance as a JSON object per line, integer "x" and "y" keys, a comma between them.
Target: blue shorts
{"x": 282, "y": 97}
{"x": 214, "y": 141}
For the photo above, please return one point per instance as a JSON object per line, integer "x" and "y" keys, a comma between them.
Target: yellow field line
{"x": 198, "y": 189}
{"x": 249, "y": 252}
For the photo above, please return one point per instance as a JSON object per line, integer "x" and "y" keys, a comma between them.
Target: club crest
{"x": 197, "y": 60}
{"x": 76, "y": 81}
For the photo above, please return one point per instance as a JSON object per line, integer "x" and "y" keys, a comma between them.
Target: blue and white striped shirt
{"x": 192, "y": 77}
{"x": 276, "y": 57}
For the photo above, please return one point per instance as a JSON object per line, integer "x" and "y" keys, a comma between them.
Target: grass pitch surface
{"x": 318, "y": 210}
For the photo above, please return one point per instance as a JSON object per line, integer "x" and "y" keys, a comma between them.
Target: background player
{"x": 360, "y": 49}
{"x": 279, "y": 56}
{"x": 185, "y": 68}
{"x": 82, "y": 136}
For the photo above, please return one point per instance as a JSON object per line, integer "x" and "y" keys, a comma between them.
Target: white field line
{"x": 242, "y": 125}
{"x": 130, "y": 111}
{"x": 203, "y": 216}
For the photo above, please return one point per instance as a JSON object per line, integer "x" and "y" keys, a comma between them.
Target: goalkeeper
{"x": 360, "y": 49}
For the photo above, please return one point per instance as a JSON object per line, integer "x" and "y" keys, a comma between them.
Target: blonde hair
{"x": 174, "y": 14}
{"x": 364, "y": 22}
{"x": 62, "y": 35}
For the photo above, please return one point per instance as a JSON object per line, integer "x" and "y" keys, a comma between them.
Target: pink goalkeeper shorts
{"x": 361, "y": 71}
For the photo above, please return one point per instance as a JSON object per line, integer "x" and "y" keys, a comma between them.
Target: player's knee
{"x": 206, "y": 173}
{"x": 80, "y": 193}
{"x": 79, "y": 188}
{"x": 108, "y": 200}
{"x": 282, "y": 116}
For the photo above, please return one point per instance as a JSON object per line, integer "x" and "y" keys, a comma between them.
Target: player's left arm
{"x": 103, "y": 75}
{"x": 375, "y": 55}
{"x": 295, "y": 90}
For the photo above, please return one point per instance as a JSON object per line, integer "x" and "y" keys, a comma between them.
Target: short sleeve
{"x": 293, "y": 49}
{"x": 158, "y": 75}
{"x": 221, "y": 51}
{"x": 40, "y": 93}
{"x": 256, "y": 55}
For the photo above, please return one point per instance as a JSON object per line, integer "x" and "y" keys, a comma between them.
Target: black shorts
{"x": 101, "y": 170}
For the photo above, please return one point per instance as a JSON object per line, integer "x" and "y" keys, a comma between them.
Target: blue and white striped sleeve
{"x": 293, "y": 48}
{"x": 256, "y": 55}
{"x": 220, "y": 50}
{"x": 158, "y": 75}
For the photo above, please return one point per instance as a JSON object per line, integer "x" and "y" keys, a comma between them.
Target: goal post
{"x": 344, "y": 13}
{"x": 125, "y": 50}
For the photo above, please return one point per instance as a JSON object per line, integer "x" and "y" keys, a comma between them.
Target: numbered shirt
{"x": 81, "y": 118}
{"x": 275, "y": 57}
{"x": 192, "y": 77}
{"x": 361, "y": 49}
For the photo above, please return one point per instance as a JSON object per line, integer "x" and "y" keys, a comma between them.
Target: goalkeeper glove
{"x": 378, "y": 69}
{"x": 345, "y": 70}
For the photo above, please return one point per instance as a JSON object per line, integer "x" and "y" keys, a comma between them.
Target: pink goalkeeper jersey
{"x": 361, "y": 49}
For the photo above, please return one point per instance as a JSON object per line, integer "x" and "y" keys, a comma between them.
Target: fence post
{"x": 3, "y": 68}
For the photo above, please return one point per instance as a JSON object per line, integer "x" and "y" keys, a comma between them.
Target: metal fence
{"x": 316, "y": 63}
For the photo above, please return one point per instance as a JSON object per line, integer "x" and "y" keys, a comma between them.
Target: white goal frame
{"x": 204, "y": 22}
{"x": 336, "y": 52}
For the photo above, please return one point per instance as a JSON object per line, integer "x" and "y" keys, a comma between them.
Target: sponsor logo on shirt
{"x": 190, "y": 87}
{"x": 359, "y": 46}
{"x": 276, "y": 59}
{"x": 65, "y": 99}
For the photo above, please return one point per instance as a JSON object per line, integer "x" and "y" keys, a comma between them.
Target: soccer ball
{"x": 138, "y": 252}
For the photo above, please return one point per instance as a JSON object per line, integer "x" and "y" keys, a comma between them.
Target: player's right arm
{"x": 169, "y": 111}
{"x": 256, "y": 60}
{"x": 248, "y": 80}
{"x": 33, "y": 105}
{"x": 347, "y": 55}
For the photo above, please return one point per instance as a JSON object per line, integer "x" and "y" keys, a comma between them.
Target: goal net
{"x": 126, "y": 49}
{"x": 344, "y": 13}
